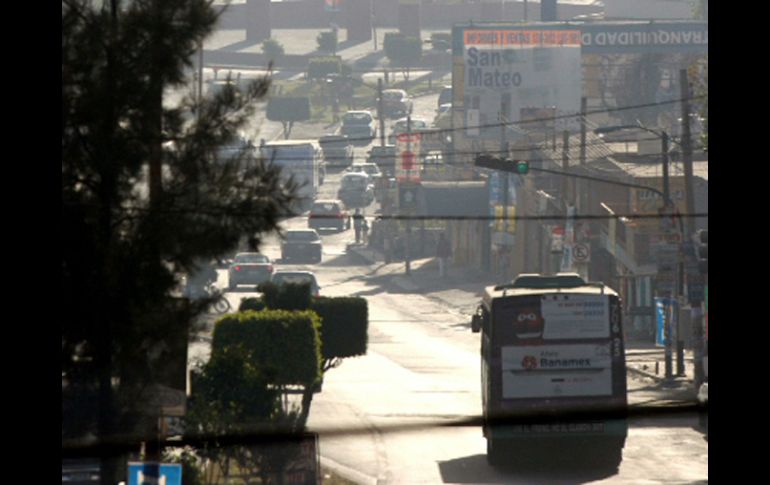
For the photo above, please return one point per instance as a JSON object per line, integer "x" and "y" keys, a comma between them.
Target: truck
{"x": 301, "y": 160}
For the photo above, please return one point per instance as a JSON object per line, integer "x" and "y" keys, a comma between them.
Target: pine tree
{"x": 147, "y": 191}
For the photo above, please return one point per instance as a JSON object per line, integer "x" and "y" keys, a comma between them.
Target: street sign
{"x": 407, "y": 197}
{"x": 407, "y": 163}
{"x": 154, "y": 473}
{"x": 581, "y": 253}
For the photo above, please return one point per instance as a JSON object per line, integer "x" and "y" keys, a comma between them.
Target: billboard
{"x": 504, "y": 70}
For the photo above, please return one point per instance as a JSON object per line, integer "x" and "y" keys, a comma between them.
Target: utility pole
{"x": 200, "y": 74}
{"x": 694, "y": 278}
{"x": 407, "y": 255}
{"x": 380, "y": 114}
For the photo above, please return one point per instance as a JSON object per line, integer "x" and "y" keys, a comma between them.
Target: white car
{"x": 297, "y": 277}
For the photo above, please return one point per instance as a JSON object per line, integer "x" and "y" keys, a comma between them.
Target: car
{"x": 337, "y": 151}
{"x": 359, "y": 126}
{"x": 249, "y": 268}
{"x": 400, "y": 126}
{"x": 396, "y": 103}
{"x": 384, "y": 157}
{"x": 328, "y": 213}
{"x": 297, "y": 277}
{"x": 301, "y": 244}
{"x": 445, "y": 96}
{"x": 356, "y": 189}
{"x": 370, "y": 169}
{"x": 443, "y": 117}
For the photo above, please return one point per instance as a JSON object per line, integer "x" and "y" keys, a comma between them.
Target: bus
{"x": 300, "y": 159}
{"x": 553, "y": 371}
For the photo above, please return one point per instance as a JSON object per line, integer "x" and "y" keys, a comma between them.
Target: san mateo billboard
{"x": 504, "y": 70}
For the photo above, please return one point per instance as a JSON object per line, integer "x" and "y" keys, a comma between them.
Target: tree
{"x": 144, "y": 196}
{"x": 273, "y": 51}
{"x": 402, "y": 51}
{"x": 327, "y": 41}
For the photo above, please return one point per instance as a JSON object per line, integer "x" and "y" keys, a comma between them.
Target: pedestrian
{"x": 365, "y": 231}
{"x": 358, "y": 224}
{"x": 443, "y": 251}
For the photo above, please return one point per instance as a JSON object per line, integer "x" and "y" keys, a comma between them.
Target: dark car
{"x": 296, "y": 278}
{"x": 359, "y": 126}
{"x": 396, "y": 103}
{"x": 302, "y": 244}
{"x": 328, "y": 213}
{"x": 249, "y": 269}
{"x": 384, "y": 157}
{"x": 337, "y": 151}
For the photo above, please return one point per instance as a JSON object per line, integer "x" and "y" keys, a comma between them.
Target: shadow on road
{"x": 475, "y": 469}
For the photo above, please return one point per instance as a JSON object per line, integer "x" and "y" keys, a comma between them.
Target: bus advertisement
{"x": 553, "y": 369}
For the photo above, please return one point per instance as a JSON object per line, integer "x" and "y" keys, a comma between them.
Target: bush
{"x": 283, "y": 346}
{"x": 327, "y": 41}
{"x": 273, "y": 50}
{"x": 320, "y": 67}
{"x": 344, "y": 326}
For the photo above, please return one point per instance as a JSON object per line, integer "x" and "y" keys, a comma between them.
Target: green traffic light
{"x": 522, "y": 167}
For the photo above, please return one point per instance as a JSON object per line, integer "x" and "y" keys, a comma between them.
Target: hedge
{"x": 285, "y": 346}
{"x": 344, "y": 325}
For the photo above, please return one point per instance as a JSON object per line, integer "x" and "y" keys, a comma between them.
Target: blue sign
{"x": 151, "y": 473}
{"x": 666, "y": 310}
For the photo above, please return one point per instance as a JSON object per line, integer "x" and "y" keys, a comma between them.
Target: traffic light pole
{"x": 380, "y": 113}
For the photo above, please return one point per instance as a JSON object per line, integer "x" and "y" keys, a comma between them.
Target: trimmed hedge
{"x": 285, "y": 346}
{"x": 344, "y": 325}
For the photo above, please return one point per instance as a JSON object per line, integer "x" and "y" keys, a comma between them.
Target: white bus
{"x": 300, "y": 159}
{"x": 553, "y": 371}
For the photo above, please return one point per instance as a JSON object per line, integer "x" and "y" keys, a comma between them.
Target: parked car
{"x": 400, "y": 126}
{"x": 337, "y": 151}
{"x": 297, "y": 277}
{"x": 445, "y": 96}
{"x": 370, "y": 169}
{"x": 359, "y": 126}
{"x": 384, "y": 157}
{"x": 328, "y": 213}
{"x": 249, "y": 269}
{"x": 356, "y": 189}
{"x": 301, "y": 244}
{"x": 396, "y": 103}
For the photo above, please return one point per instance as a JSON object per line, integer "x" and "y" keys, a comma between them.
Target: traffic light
{"x": 485, "y": 160}
{"x": 702, "y": 250}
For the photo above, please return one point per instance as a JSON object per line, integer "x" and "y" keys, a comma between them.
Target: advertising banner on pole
{"x": 666, "y": 310}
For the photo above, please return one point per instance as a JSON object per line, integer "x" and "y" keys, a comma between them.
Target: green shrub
{"x": 327, "y": 41}
{"x": 273, "y": 50}
{"x": 344, "y": 326}
{"x": 284, "y": 346}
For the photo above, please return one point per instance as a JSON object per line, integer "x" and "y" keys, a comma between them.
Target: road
{"x": 380, "y": 416}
